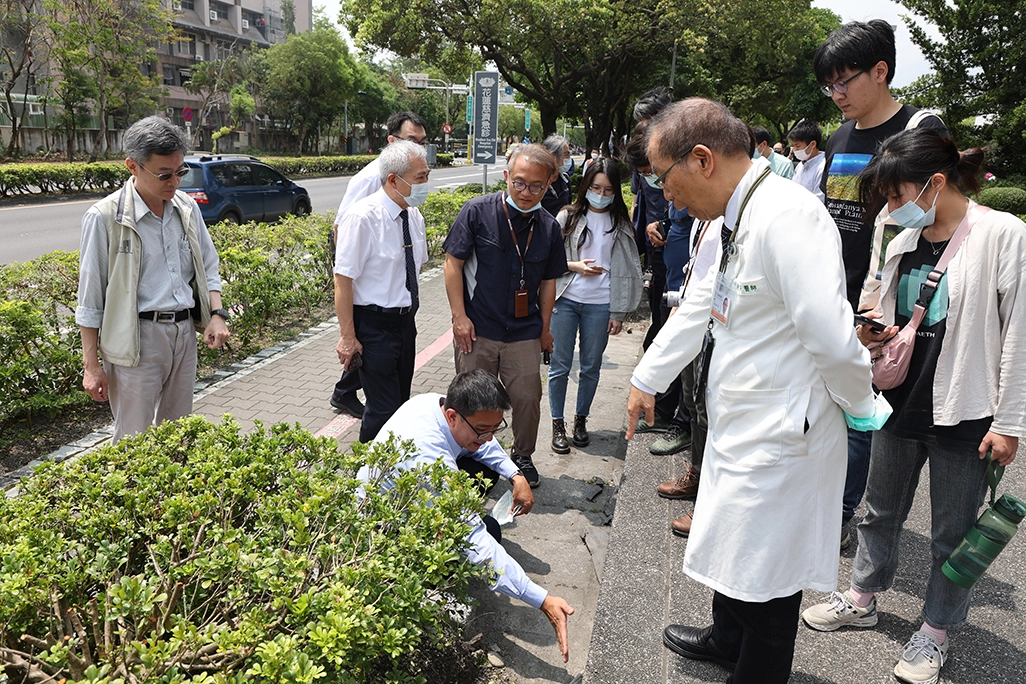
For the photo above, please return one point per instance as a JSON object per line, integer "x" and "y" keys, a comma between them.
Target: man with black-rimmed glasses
{"x": 503, "y": 255}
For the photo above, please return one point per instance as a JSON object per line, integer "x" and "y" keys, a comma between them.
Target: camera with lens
{"x": 671, "y": 299}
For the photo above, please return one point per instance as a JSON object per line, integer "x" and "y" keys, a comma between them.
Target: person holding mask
{"x": 602, "y": 285}
{"x": 965, "y": 390}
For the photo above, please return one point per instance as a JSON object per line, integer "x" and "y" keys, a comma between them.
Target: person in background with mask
{"x": 558, "y": 194}
{"x": 805, "y": 139}
{"x": 963, "y": 396}
{"x": 502, "y": 257}
{"x": 780, "y": 164}
{"x": 382, "y": 243}
{"x": 590, "y": 160}
{"x": 602, "y": 285}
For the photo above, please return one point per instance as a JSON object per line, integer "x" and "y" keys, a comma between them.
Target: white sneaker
{"x": 921, "y": 661}
{"x": 839, "y": 611}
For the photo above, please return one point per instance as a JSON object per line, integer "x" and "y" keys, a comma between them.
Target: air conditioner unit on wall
{"x": 245, "y": 24}
{"x": 213, "y": 15}
{"x": 198, "y": 57}
{"x": 176, "y": 6}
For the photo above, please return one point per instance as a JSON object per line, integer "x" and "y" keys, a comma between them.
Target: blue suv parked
{"x": 240, "y": 188}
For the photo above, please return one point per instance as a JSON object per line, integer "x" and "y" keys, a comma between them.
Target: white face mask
{"x": 566, "y": 165}
{"x": 598, "y": 201}
{"x": 418, "y": 192}
{"x": 594, "y": 155}
{"x": 911, "y": 215}
{"x": 802, "y": 154}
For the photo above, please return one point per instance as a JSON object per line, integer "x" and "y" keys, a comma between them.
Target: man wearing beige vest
{"x": 148, "y": 279}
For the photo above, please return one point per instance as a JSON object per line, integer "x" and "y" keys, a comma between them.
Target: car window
{"x": 194, "y": 179}
{"x": 223, "y": 175}
{"x": 265, "y": 175}
{"x": 243, "y": 175}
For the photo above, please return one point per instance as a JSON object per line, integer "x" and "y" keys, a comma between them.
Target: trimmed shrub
{"x": 193, "y": 553}
{"x": 1012, "y": 200}
{"x": 440, "y": 211}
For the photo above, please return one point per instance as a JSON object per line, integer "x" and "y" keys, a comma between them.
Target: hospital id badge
{"x": 721, "y": 301}
{"x": 520, "y": 303}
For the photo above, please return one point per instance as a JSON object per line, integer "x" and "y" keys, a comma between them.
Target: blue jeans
{"x": 592, "y": 320}
{"x": 858, "y": 470}
{"x": 957, "y": 486}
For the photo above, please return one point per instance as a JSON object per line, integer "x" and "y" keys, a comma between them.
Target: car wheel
{"x": 231, "y": 217}
{"x": 302, "y": 208}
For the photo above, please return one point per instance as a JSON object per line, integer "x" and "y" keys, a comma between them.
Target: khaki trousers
{"x": 160, "y": 388}
{"x": 518, "y": 366}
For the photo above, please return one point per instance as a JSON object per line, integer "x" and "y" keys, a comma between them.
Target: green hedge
{"x": 1012, "y": 200}
{"x": 56, "y": 177}
{"x": 194, "y": 553}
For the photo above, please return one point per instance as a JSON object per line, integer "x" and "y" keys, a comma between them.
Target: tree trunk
{"x": 14, "y": 146}
{"x": 548, "y": 117}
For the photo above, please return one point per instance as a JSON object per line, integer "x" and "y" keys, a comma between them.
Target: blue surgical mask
{"x": 510, "y": 202}
{"x": 650, "y": 178}
{"x": 911, "y": 215}
{"x": 881, "y": 412}
{"x": 418, "y": 192}
{"x": 565, "y": 168}
{"x": 598, "y": 201}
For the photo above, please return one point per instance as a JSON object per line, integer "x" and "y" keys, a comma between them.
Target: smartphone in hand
{"x": 355, "y": 361}
{"x": 875, "y": 324}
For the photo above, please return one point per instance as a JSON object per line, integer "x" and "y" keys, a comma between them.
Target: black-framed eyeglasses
{"x": 487, "y": 433}
{"x": 519, "y": 185}
{"x": 841, "y": 87}
{"x": 162, "y": 177}
{"x": 658, "y": 182}
{"x": 422, "y": 143}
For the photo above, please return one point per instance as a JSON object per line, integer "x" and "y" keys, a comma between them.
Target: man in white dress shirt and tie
{"x": 382, "y": 244}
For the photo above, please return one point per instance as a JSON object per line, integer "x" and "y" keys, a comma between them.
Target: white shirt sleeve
{"x": 494, "y": 456}
{"x": 510, "y": 579}
{"x": 92, "y": 270}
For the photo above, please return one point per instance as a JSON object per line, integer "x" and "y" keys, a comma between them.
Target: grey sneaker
{"x": 839, "y": 611}
{"x": 675, "y": 440}
{"x": 921, "y": 661}
{"x": 661, "y": 424}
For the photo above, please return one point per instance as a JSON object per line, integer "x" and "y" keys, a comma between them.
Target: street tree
{"x": 72, "y": 93}
{"x": 212, "y": 82}
{"x": 118, "y": 37}
{"x": 22, "y": 50}
{"x": 980, "y": 64}
{"x": 305, "y": 81}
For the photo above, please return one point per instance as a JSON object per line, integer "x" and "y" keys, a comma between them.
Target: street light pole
{"x": 345, "y": 125}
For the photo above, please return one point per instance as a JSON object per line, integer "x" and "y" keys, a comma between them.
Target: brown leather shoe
{"x": 682, "y": 525}
{"x": 684, "y": 487}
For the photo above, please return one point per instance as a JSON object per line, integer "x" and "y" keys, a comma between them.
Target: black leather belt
{"x": 396, "y": 310}
{"x": 166, "y": 316}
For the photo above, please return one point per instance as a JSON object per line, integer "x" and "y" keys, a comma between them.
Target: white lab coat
{"x": 768, "y": 515}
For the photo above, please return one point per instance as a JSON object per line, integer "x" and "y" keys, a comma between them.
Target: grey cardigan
{"x": 624, "y": 270}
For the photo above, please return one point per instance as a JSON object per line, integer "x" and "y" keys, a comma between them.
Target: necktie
{"x": 411, "y": 268}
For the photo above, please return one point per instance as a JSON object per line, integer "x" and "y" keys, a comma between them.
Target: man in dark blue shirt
{"x": 503, "y": 255}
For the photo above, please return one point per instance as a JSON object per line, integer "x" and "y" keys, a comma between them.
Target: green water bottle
{"x": 991, "y": 533}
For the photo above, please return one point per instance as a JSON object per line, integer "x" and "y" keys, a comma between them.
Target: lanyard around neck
{"x": 737, "y": 222}
{"x": 516, "y": 244}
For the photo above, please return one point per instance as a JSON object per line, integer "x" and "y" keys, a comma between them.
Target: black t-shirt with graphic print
{"x": 912, "y": 401}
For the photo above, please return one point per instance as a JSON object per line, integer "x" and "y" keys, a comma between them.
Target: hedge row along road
{"x": 28, "y": 230}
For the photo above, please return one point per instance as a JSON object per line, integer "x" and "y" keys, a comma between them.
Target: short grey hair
{"x": 698, "y": 121}
{"x": 534, "y": 154}
{"x": 153, "y": 135}
{"x": 395, "y": 158}
{"x": 555, "y": 144}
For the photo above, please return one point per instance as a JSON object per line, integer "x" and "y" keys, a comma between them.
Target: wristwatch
{"x": 223, "y": 313}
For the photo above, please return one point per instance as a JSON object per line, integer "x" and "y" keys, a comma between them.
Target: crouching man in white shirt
{"x": 459, "y": 427}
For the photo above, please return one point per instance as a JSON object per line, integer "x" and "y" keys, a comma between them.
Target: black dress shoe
{"x": 694, "y": 643}
{"x": 347, "y": 403}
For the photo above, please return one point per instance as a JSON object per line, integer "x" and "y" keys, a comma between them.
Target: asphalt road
{"x": 29, "y": 228}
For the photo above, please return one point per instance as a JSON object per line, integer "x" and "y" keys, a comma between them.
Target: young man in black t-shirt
{"x": 855, "y": 65}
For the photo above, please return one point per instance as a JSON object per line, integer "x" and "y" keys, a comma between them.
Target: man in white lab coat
{"x": 783, "y": 361}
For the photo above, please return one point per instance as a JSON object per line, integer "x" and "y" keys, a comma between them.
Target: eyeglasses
{"x": 422, "y": 143}
{"x": 658, "y": 182}
{"x": 519, "y": 185}
{"x": 487, "y": 433}
{"x": 605, "y": 191}
{"x": 841, "y": 87}
{"x": 162, "y": 177}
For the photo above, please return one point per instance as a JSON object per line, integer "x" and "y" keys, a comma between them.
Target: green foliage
{"x": 193, "y": 549}
{"x": 440, "y": 211}
{"x": 1012, "y": 200}
{"x": 979, "y": 58}
{"x": 19, "y": 179}
{"x": 273, "y": 274}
